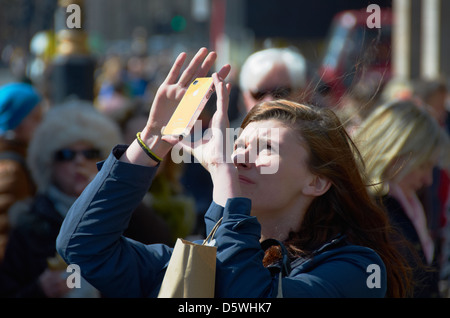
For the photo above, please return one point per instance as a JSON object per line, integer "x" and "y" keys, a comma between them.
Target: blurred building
{"x": 421, "y": 42}
{"x": 233, "y": 27}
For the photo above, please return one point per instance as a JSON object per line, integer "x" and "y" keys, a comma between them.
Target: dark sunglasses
{"x": 69, "y": 154}
{"x": 277, "y": 93}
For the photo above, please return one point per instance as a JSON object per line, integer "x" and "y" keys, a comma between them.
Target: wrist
{"x": 225, "y": 183}
{"x": 220, "y": 170}
{"x": 136, "y": 154}
{"x": 155, "y": 143}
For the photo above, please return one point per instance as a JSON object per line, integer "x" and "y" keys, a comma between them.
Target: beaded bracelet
{"x": 147, "y": 149}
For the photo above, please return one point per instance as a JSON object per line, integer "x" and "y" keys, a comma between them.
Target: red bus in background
{"x": 355, "y": 52}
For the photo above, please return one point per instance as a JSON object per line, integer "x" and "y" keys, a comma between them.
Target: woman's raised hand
{"x": 174, "y": 87}
{"x": 213, "y": 152}
{"x": 167, "y": 97}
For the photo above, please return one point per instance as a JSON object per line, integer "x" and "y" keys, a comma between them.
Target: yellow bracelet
{"x": 146, "y": 149}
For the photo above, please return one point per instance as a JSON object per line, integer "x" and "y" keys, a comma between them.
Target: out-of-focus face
{"x": 74, "y": 167}
{"x": 438, "y": 103}
{"x": 275, "y": 84}
{"x": 417, "y": 178}
{"x": 274, "y": 175}
{"x": 25, "y": 130}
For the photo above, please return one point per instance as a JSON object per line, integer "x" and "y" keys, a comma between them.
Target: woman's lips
{"x": 245, "y": 180}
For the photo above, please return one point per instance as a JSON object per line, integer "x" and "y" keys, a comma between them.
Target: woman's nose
{"x": 80, "y": 158}
{"x": 242, "y": 159}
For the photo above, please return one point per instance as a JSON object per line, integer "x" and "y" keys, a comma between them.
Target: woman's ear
{"x": 317, "y": 187}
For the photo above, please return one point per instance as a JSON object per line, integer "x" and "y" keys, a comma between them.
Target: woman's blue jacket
{"x": 91, "y": 237}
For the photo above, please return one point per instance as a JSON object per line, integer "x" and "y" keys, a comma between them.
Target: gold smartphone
{"x": 190, "y": 107}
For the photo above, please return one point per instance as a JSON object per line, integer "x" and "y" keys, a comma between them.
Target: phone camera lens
{"x": 195, "y": 82}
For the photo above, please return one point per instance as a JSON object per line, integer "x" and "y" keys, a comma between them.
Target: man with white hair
{"x": 274, "y": 73}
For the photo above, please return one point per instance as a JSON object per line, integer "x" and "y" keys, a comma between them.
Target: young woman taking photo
{"x": 315, "y": 202}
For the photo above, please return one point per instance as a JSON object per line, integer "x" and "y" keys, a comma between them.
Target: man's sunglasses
{"x": 69, "y": 154}
{"x": 277, "y": 93}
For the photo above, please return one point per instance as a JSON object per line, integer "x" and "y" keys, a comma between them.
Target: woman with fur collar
{"x": 62, "y": 158}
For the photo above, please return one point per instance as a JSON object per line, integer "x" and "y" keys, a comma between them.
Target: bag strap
{"x": 213, "y": 232}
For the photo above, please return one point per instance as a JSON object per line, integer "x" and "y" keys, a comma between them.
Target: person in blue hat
{"x": 20, "y": 114}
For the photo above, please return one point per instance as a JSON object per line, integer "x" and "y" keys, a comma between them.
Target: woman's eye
{"x": 265, "y": 150}
{"x": 264, "y": 146}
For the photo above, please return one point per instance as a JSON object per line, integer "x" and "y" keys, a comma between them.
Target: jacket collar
{"x": 285, "y": 265}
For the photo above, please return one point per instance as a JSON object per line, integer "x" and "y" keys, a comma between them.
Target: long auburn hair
{"x": 347, "y": 207}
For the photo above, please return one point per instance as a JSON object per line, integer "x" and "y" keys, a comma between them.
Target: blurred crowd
{"x": 49, "y": 154}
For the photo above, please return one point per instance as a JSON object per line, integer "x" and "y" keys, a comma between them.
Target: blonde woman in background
{"x": 401, "y": 143}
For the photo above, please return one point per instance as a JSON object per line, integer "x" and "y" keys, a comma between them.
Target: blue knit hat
{"x": 17, "y": 100}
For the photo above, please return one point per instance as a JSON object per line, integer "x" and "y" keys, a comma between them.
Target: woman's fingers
{"x": 195, "y": 149}
{"x": 229, "y": 89}
{"x": 222, "y": 94}
{"x": 224, "y": 71}
{"x": 199, "y": 66}
{"x": 193, "y": 69}
{"x": 173, "y": 140}
{"x": 186, "y": 144}
{"x": 176, "y": 68}
{"x": 212, "y": 148}
{"x": 207, "y": 64}
{"x": 220, "y": 118}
